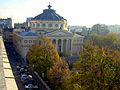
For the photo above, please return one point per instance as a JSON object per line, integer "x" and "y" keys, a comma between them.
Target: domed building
{"x": 48, "y": 21}
{"x": 54, "y": 26}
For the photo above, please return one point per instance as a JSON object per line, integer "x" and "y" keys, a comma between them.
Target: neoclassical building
{"x": 52, "y": 25}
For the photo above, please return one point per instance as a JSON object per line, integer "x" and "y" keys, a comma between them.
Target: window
{"x": 56, "y": 25}
{"x": 30, "y": 41}
{"x": 43, "y": 25}
{"x": 50, "y": 25}
{"x": 38, "y": 25}
{"x": 25, "y": 41}
{"x": 61, "y": 25}
{"x": 33, "y": 25}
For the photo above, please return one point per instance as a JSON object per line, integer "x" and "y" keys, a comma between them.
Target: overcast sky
{"x": 77, "y": 12}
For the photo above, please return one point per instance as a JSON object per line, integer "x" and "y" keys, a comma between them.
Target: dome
{"x": 49, "y": 14}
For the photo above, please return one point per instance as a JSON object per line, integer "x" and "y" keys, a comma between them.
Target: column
{"x": 71, "y": 47}
{"x": 62, "y": 45}
{"x": 66, "y": 45}
{"x": 56, "y": 44}
{"x": 51, "y": 40}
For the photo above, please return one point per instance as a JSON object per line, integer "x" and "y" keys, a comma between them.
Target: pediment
{"x": 59, "y": 33}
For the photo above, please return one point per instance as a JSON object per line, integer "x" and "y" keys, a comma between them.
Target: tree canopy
{"x": 99, "y": 68}
{"x": 110, "y": 40}
{"x": 42, "y": 55}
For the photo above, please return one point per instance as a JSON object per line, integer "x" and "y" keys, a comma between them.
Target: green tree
{"x": 42, "y": 55}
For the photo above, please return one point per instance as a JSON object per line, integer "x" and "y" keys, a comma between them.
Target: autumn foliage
{"x": 99, "y": 68}
{"x": 44, "y": 58}
{"x": 42, "y": 55}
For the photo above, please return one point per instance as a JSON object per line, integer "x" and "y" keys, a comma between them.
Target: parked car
{"x": 23, "y": 77}
{"x": 31, "y": 86}
{"x": 18, "y": 67}
{"x": 26, "y": 82}
{"x": 22, "y": 71}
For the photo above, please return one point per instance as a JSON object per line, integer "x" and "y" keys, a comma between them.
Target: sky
{"x": 77, "y": 12}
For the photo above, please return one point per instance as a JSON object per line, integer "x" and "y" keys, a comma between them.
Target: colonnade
{"x": 63, "y": 45}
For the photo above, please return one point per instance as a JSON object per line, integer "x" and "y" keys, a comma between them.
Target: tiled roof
{"x": 27, "y": 34}
{"x": 49, "y": 14}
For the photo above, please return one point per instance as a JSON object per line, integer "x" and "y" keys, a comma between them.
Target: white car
{"x": 29, "y": 86}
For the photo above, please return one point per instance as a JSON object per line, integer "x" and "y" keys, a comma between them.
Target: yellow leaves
{"x": 43, "y": 54}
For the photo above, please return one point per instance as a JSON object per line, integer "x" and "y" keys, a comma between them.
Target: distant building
{"x": 52, "y": 25}
{"x": 29, "y": 19}
{"x": 100, "y": 29}
{"x": 5, "y": 23}
{"x": 114, "y": 28}
{"x": 8, "y": 35}
{"x": 20, "y": 25}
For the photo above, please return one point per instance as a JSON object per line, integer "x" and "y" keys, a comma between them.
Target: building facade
{"x": 54, "y": 26}
{"x": 100, "y": 29}
{"x": 114, "y": 28}
{"x": 5, "y": 23}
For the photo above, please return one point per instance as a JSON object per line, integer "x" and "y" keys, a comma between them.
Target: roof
{"x": 49, "y": 14}
{"x": 77, "y": 35}
{"x": 8, "y": 29}
{"x": 27, "y": 34}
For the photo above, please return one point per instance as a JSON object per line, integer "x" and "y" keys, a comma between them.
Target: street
{"x": 13, "y": 58}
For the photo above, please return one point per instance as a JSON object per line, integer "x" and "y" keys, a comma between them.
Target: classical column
{"x": 71, "y": 47}
{"x": 62, "y": 45}
{"x": 56, "y": 44}
{"x": 51, "y": 40}
{"x": 66, "y": 45}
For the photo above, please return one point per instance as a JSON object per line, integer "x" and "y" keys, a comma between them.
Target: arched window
{"x": 50, "y": 25}
{"x": 43, "y": 25}
{"x": 38, "y": 25}
{"x": 56, "y": 25}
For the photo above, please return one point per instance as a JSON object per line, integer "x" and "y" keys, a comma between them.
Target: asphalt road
{"x": 13, "y": 58}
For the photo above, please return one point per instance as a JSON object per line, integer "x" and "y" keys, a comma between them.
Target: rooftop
{"x": 27, "y": 34}
{"x": 49, "y": 14}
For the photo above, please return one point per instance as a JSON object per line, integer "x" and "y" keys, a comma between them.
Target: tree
{"x": 110, "y": 40}
{"x": 99, "y": 68}
{"x": 42, "y": 55}
{"x": 59, "y": 74}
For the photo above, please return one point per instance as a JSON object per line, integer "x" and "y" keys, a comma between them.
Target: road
{"x": 13, "y": 58}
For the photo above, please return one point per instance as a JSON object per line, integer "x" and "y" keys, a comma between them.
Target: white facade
{"x": 114, "y": 28}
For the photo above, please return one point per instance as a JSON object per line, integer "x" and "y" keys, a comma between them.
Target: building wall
{"x": 22, "y": 43}
{"x": 47, "y": 25}
{"x": 77, "y": 44}
{"x": 6, "y": 22}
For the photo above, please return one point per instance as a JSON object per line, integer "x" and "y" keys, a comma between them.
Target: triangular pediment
{"x": 60, "y": 33}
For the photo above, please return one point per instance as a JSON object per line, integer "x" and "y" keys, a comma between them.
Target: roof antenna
{"x": 49, "y": 6}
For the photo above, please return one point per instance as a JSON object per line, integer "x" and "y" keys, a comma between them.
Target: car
{"x": 23, "y": 77}
{"x": 22, "y": 71}
{"x": 27, "y": 81}
{"x": 18, "y": 67}
{"x": 31, "y": 86}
